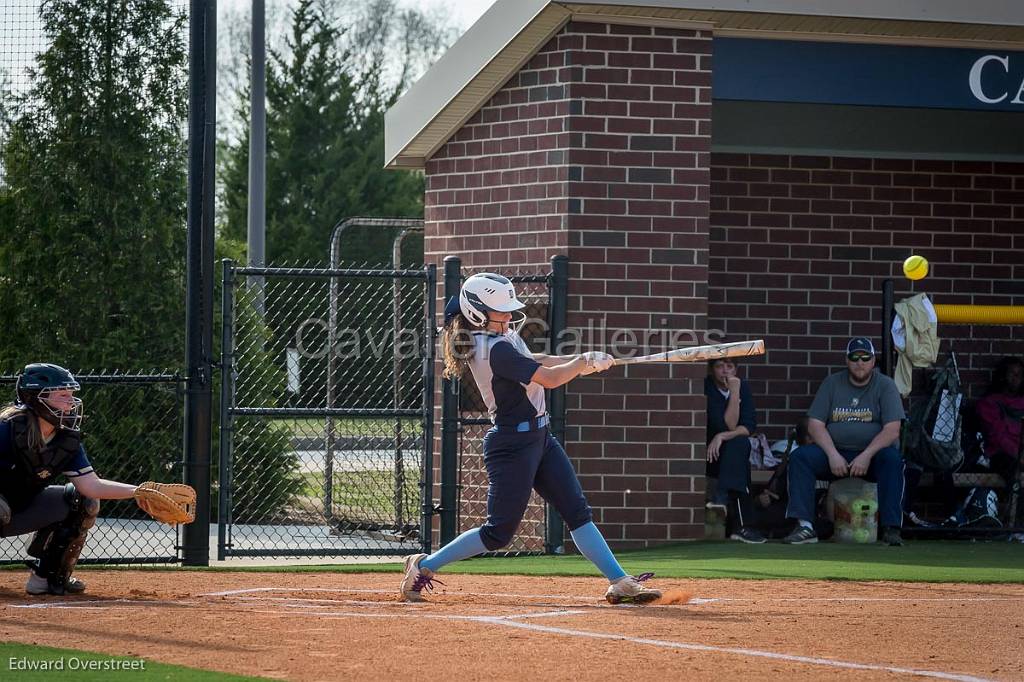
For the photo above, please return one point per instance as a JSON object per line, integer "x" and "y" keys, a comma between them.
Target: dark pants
{"x": 809, "y": 463}
{"x": 732, "y": 468}
{"x": 732, "y": 471}
{"x": 518, "y": 463}
{"x": 46, "y": 508}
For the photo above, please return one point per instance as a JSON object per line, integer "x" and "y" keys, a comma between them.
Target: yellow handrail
{"x": 980, "y": 314}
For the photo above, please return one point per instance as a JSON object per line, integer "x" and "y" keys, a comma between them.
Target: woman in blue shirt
{"x": 730, "y": 421}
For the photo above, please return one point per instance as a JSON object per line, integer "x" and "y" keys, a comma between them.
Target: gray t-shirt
{"x": 855, "y": 414}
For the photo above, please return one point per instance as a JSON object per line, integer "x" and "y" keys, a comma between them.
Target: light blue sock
{"x": 592, "y": 545}
{"x": 466, "y": 545}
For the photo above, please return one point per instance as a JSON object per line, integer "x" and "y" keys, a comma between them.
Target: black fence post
{"x": 558, "y": 304}
{"x": 427, "y": 490}
{"x": 888, "y": 306}
{"x": 227, "y": 381}
{"x": 199, "y": 287}
{"x": 450, "y": 422}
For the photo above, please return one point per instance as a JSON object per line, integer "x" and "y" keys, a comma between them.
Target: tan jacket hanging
{"x": 915, "y": 336}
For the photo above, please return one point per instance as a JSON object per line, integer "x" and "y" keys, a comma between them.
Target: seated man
{"x": 1000, "y": 412}
{"x": 855, "y": 424}
{"x": 730, "y": 422}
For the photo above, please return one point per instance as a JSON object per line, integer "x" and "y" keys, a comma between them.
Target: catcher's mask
{"x": 48, "y": 390}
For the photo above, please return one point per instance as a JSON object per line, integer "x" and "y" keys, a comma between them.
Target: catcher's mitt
{"x": 170, "y": 503}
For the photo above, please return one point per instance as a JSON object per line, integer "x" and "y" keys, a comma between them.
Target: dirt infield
{"x": 330, "y": 626}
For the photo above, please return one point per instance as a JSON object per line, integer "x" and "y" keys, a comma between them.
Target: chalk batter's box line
{"x": 694, "y": 601}
{"x": 100, "y": 603}
{"x": 292, "y": 604}
{"x": 515, "y": 621}
{"x": 427, "y": 616}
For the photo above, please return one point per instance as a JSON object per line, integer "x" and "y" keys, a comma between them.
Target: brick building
{"x": 726, "y": 168}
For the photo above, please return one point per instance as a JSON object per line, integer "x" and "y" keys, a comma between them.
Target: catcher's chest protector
{"x": 40, "y": 467}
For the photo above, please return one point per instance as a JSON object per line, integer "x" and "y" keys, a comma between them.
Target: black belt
{"x": 534, "y": 424}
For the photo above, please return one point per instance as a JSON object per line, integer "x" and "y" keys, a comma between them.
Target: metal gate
{"x": 326, "y": 415}
{"x": 465, "y": 422}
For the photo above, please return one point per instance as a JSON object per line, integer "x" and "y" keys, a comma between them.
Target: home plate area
{"x": 318, "y": 626}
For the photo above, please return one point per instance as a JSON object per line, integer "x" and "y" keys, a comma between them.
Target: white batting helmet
{"x": 485, "y": 292}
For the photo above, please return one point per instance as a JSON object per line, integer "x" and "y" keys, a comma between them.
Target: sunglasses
{"x": 859, "y": 357}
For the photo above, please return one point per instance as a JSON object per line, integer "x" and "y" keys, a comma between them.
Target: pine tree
{"x": 94, "y": 167}
{"x": 326, "y": 99}
{"x": 93, "y": 215}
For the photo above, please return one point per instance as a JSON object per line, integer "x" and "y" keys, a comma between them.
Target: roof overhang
{"x": 512, "y": 31}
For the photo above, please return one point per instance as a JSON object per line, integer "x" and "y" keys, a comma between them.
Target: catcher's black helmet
{"x": 37, "y": 382}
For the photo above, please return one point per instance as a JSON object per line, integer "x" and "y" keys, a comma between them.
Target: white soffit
{"x": 512, "y": 31}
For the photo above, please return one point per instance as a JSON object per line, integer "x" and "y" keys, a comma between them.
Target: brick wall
{"x": 497, "y": 193}
{"x": 598, "y": 148}
{"x": 638, "y": 258}
{"x": 800, "y": 247}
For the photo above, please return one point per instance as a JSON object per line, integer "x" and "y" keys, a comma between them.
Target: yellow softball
{"x": 915, "y": 267}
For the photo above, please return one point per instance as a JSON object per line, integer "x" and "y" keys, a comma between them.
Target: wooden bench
{"x": 966, "y": 480}
{"x": 970, "y": 480}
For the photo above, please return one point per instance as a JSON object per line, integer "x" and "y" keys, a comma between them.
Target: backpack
{"x": 979, "y": 509}
{"x": 931, "y": 434}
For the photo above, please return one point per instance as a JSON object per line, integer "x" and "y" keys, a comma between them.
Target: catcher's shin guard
{"x": 59, "y": 545}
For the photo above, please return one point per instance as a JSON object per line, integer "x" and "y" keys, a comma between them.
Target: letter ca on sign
{"x": 993, "y": 71}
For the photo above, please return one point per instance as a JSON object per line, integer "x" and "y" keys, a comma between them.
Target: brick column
{"x": 599, "y": 148}
{"x": 638, "y": 240}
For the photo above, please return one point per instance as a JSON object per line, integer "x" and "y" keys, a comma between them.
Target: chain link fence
{"x": 23, "y": 39}
{"x": 132, "y": 432}
{"x": 325, "y": 413}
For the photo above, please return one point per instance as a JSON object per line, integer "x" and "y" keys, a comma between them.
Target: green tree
{"x": 327, "y": 91}
{"x": 94, "y": 168}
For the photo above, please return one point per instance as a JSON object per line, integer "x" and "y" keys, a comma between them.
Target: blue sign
{"x": 875, "y": 75}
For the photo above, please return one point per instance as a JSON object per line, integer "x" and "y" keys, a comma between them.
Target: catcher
{"x": 40, "y": 439}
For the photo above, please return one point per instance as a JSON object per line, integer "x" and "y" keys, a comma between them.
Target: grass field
{"x": 969, "y": 562}
{"x": 29, "y": 662}
{"x": 352, "y": 426}
{"x": 367, "y": 495}
{"x": 933, "y": 561}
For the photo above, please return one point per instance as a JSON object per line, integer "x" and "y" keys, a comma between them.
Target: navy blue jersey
{"x": 78, "y": 465}
{"x": 718, "y": 401}
{"x": 503, "y": 369}
{"x": 18, "y": 484}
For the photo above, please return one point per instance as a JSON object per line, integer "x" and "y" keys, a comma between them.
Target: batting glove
{"x": 597, "y": 361}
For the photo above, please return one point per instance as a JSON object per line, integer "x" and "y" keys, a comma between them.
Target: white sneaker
{"x": 39, "y": 585}
{"x": 629, "y": 590}
{"x": 416, "y": 578}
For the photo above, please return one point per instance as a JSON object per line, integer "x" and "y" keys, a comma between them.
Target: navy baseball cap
{"x": 860, "y": 343}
